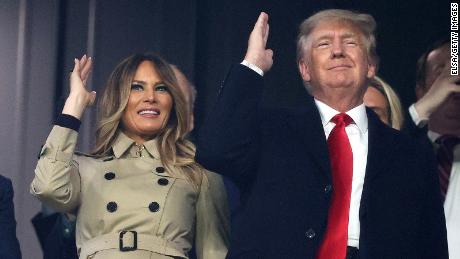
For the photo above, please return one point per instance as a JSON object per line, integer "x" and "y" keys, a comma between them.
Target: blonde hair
{"x": 174, "y": 148}
{"x": 364, "y": 22}
{"x": 395, "y": 111}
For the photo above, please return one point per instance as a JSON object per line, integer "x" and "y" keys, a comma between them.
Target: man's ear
{"x": 304, "y": 70}
{"x": 371, "y": 70}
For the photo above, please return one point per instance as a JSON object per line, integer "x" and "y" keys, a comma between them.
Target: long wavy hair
{"x": 174, "y": 148}
{"x": 395, "y": 110}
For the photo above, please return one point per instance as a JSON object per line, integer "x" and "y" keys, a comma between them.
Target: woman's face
{"x": 149, "y": 104}
{"x": 375, "y": 100}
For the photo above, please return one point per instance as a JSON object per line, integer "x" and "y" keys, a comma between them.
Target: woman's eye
{"x": 161, "y": 88}
{"x": 137, "y": 87}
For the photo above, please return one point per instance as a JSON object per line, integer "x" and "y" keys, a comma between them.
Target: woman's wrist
{"x": 68, "y": 121}
{"x": 75, "y": 106}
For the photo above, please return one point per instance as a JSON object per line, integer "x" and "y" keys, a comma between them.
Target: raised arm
{"x": 444, "y": 85}
{"x": 57, "y": 181}
{"x": 228, "y": 142}
{"x": 257, "y": 52}
{"x": 79, "y": 97}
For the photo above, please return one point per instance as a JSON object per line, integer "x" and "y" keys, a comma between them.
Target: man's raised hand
{"x": 257, "y": 53}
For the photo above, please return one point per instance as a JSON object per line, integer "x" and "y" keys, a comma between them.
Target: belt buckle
{"x": 124, "y": 248}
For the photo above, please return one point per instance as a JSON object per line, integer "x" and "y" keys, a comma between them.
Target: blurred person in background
{"x": 384, "y": 101}
{"x": 435, "y": 119}
{"x": 9, "y": 245}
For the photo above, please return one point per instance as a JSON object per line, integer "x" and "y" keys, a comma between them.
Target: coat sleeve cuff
{"x": 68, "y": 121}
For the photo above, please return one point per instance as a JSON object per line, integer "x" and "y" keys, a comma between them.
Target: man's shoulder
{"x": 5, "y": 184}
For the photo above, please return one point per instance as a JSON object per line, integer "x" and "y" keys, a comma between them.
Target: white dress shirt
{"x": 452, "y": 202}
{"x": 358, "y": 136}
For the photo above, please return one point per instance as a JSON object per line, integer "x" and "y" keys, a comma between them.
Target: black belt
{"x": 352, "y": 252}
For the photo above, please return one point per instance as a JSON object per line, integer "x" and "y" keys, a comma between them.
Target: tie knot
{"x": 448, "y": 141}
{"x": 342, "y": 119}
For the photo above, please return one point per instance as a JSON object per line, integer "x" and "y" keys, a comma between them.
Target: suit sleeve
{"x": 9, "y": 245}
{"x": 212, "y": 219}
{"x": 57, "y": 180}
{"x": 228, "y": 141}
{"x": 433, "y": 225}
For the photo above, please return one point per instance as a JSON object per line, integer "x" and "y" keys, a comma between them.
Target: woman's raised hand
{"x": 79, "y": 97}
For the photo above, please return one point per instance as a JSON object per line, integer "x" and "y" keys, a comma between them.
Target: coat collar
{"x": 123, "y": 143}
{"x": 305, "y": 121}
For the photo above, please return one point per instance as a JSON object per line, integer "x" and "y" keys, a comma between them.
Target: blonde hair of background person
{"x": 140, "y": 193}
{"x": 393, "y": 115}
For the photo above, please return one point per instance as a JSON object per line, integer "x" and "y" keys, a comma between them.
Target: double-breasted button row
{"x": 113, "y": 206}
{"x": 109, "y": 176}
{"x": 160, "y": 169}
{"x": 163, "y": 181}
{"x": 154, "y": 206}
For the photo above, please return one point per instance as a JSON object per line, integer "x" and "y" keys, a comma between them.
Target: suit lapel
{"x": 379, "y": 156}
{"x": 380, "y": 147}
{"x": 305, "y": 122}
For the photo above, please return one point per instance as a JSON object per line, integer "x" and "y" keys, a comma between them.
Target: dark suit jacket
{"x": 9, "y": 245}
{"x": 279, "y": 159}
{"x": 56, "y": 239}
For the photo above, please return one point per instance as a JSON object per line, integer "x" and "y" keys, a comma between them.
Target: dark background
{"x": 205, "y": 37}
{"x": 40, "y": 38}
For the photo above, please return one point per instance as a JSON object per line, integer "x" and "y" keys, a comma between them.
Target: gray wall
{"x": 27, "y": 65}
{"x": 38, "y": 42}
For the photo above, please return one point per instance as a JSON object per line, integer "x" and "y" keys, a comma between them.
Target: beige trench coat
{"x": 128, "y": 196}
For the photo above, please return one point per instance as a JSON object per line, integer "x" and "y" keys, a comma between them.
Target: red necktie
{"x": 334, "y": 244}
{"x": 445, "y": 156}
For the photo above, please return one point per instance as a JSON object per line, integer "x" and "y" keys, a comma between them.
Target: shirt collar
{"x": 358, "y": 114}
{"x": 123, "y": 143}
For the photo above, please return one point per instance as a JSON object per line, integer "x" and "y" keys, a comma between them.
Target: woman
{"x": 381, "y": 98}
{"x": 140, "y": 194}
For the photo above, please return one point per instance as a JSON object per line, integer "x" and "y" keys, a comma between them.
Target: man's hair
{"x": 364, "y": 22}
{"x": 420, "y": 72}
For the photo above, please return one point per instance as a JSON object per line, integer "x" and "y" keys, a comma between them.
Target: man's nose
{"x": 337, "y": 49}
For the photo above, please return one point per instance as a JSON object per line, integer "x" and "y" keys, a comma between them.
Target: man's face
{"x": 435, "y": 63}
{"x": 335, "y": 62}
{"x": 446, "y": 118}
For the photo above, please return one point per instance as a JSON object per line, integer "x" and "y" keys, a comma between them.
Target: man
{"x": 9, "y": 245}
{"x": 327, "y": 180}
{"x": 437, "y": 117}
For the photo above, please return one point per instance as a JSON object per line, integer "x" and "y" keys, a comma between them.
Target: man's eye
{"x": 323, "y": 44}
{"x": 351, "y": 43}
{"x": 137, "y": 87}
{"x": 161, "y": 88}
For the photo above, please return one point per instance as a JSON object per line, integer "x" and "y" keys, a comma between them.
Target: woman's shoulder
{"x": 211, "y": 179}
